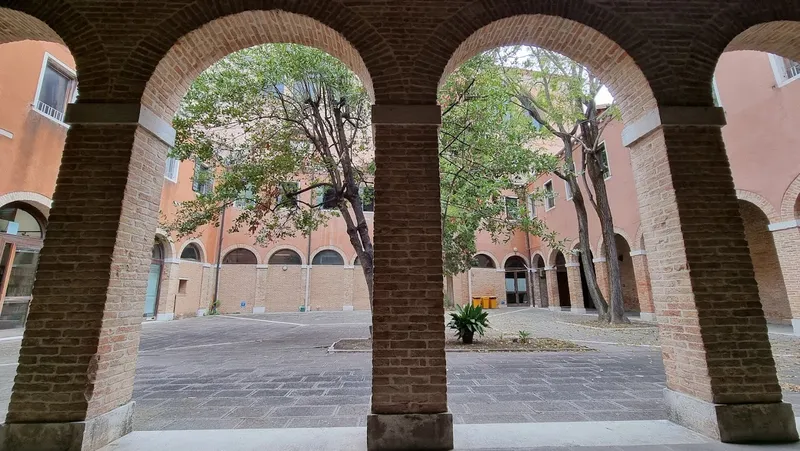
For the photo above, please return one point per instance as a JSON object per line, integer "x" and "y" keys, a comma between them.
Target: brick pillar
{"x": 787, "y": 244}
{"x": 643, "y": 290}
{"x": 260, "y": 303}
{"x": 409, "y": 370}
{"x": 720, "y": 371}
{"x": 601, "y": 273}
{"x": 535, "y": 285}
{"x": 168, "y": 290}
{"x": 76, "y": 365}
{"x": 551, "y": 277}
{"x": 575, "y": 288}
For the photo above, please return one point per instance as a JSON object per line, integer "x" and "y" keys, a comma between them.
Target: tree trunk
{"x": 585, "y": 252}
{"x": 450, "y": 299}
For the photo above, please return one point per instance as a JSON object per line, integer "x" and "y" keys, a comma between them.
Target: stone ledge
{"x": 410, "y": 432}
{"x": 733, "y": 423}
{"x": 88, "y": 435}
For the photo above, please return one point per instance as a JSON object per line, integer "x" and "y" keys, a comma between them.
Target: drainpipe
{"x": 469, "y": 286}
{"x": 308, "y": 270}
{"x": 219, "y": 257}
{"x": 530, "y": 270}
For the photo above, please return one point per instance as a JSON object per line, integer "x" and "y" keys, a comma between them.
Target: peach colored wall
{"x": 30, "y": 159}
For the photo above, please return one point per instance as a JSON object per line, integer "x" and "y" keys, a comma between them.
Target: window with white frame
{"x": 531, "y": 207}
{"x": 245, "y": 199}
{"x": 287, "y": 197}
{"x": 326, "y": 198}
{"x": 785, "y": 70}
{"x": 602, "y": 153}
{"x": 567, "y": 190}
{"x": 512, "y": 207}
{"x": 57, "y": 87}
{"x": 203, "y": 181}
{"x": 549, "y": 196}
{"x": 171, "y": 170}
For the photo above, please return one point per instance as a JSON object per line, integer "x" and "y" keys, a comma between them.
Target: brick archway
{"x": 196, "y": 51}
{"x": 789, "y": 204}
{"x": 584, "y": 44}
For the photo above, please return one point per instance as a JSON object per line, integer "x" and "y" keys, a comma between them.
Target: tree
{"x": 559, "y": 94}
{"x": 485, "y": 156}
{"x": 265, "y": 117}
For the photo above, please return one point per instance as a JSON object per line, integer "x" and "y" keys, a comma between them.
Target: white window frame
{"x": 551, "y": 198}
{"x": 66, "y": 70}
{"x": 608, "y": 160}
{"x": 505, "y": 204}
{"x": 531, "y": 207}
{"x": 172, "y": 177}
{"x": 779, "y": 70}
{"x": 567, "y": 191}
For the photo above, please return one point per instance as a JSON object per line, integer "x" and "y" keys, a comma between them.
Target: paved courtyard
{"x": 275, "y": 371}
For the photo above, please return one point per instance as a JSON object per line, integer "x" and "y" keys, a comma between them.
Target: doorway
{"x": 516, "y": 282}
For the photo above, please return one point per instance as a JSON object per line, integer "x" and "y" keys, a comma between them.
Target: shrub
{"x": 467, "y": 321}
{"x": 524, "y": 336}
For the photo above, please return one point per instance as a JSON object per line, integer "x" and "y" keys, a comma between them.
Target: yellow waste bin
{"x": 492, "y": 301}
{"x": 476, "y": 301}
{"x": 485, "y": 302}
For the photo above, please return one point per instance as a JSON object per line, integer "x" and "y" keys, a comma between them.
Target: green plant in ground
{"x": 524, "y": 336}
{"x": 468, "y": 320}
{"x": 213, "y": 309}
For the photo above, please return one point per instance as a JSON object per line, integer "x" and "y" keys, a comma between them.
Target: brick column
{"x": 643, "y": 290}
{"x": 536, "y": 294}
{"x": 601, "y": 273}
{"x": 76, "y": 365}
{"x": 720, "y": 371}
{"x": 551, "y": 277}
{"x": 787, "y": 244}
{"x": 260, "y": 303}
{"x": 575, "y": 288}
{"x": 168, "y": 290}
{"x": 409, "y": 370}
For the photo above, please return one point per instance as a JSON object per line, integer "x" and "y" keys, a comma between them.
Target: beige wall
{"x": 187, "y": 304}
{"x": 285, "y": 288}
{"x": 331, "y": 288}
{"x": 489, "y": 282}
{"x": 237, "y": 283}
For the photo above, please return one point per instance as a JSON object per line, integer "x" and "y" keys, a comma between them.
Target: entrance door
{"x": 152, "y": 290}
{"x": 516, "y": 288}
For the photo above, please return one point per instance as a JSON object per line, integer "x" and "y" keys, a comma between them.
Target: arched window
{"x": 285, "y": 257}
{"x": 515, "y": 263}
{"x": 328, "y": 257}
{"x": 158, "y": 251}
{"x": 191, "y": 253}
{"x": 483, "y": 261}
{"x": 240, "y": 257}
{"x": 17, "y": 216}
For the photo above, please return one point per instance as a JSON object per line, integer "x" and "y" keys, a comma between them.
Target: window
{"x": 182, "y": 284}
{"x": 368, "y": 198}
{"x": 512, "y": 207}
{"x": 285, "y": 257}
{"x": 326, "y": 198}
{"x": 191, "y": 253}
{"x": 567, "y": 190}
{"x": 57, "y": 88}
{"x": 549, "y": 196}
{"x": 17, "y": 221}
{"x": 531, "y": 207}
{"x": 240, "y": 257}
{"x": 202, "y": 181}
{"x": 483, "y": 261}
{"x": 328, "y": 257}
{"x": 602, "y": 153}
{"x": 171, "y": 171}
{"x": 287, "y": 197}
{"x": 245, "y": 199}
{"x": 785, "y": 69}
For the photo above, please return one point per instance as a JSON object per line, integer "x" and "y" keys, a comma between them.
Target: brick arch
{"x": 36, "y": 200}
{"x": 182, "y": 52}
{"x": 59, "y": 22}
{"x": 329, "y": 248}
{"x": 513, "y": 254}
{"x": 243, "y": 246}
{"x": 618, "y": 231}
{"x": 204, "y": 254}
{"x": 789, "y": 210}
{"x": 639, "y": 239}
{"x": 538, "y": 254}
{"x": 580, "y": 33}
{"x": 167, "y": 243}
{"x": 550, "y": 261}
{"x": 760, "y": 202}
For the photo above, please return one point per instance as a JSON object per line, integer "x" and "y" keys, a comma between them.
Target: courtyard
{"x": 276, "y": 371}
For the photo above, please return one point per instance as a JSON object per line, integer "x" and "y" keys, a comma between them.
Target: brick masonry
{"x": 78, "y": 354}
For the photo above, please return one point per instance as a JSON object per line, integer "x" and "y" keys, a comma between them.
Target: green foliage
{"x": 213, "y": 309}
{"x": 524, "y": 336}
{"x": 266, "y": 116}
{"x": 468, "y": 320}
{"x": 485, "y": 154}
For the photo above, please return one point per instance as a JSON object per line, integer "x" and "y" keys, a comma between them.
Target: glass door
{"x": 151, "y": 298}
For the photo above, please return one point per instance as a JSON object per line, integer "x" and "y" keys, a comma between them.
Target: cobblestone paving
{"x": 265, "y": 371}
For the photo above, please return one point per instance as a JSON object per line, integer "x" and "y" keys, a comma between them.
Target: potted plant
{"x": 467, "y": 321}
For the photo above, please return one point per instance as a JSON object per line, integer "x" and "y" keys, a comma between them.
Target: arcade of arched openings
{"x": 135, "y": 62}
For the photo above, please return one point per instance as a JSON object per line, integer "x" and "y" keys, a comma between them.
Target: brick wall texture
{"x": 79, "y": 351}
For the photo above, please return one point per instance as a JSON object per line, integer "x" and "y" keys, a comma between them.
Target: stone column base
{"x": 796, "y": 326}
{"x": 88, "y": 435}
{"x": 555, "y": 308}
{"x": 733, "y": 423}
{"x": 644, "y": 316}
{"x": 410, "y": 431}
{"x": 579, "y": 310}
{"x": 165, "y": 317}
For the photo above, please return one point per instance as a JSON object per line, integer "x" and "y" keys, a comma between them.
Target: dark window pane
{"x": 240, "y": 257}
{"x": 55, "y": 87}
{"x": 328, "y": 257}
{"x": 191, "y": 252}
{"x": 23, "y": 273}
{"x": 483, "y": 261}
{"x": 368, "y": 198}
{"x": 285, "y": 257}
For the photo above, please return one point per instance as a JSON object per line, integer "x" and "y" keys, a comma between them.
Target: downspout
{"x": 219, "y": 257}
{"x": 469, "y": 286}
{"x": 308, "y": 271}
{"x": 530, "y": 270}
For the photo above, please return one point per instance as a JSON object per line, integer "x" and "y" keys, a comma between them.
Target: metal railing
{"x": 47, "y": 110}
